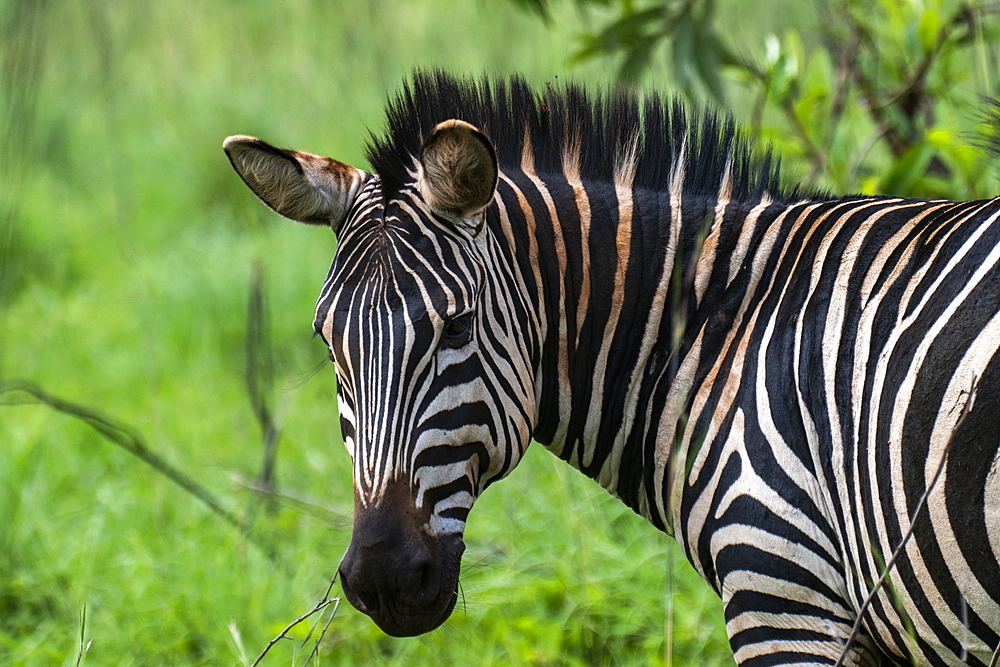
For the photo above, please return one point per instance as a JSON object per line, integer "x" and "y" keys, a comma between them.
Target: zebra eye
{"x": 458, "y": 331}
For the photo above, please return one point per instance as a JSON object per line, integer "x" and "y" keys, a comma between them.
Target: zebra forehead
{"x": 386, "y": 224}
{"x": 398, "y": 274}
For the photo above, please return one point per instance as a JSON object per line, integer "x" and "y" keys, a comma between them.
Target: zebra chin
{"x": 397, "y": 573}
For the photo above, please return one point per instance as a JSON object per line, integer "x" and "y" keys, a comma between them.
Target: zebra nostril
{"x": 346, "y": 583}
{"x": 428, "y": 579}
{"x": 421, "y": 582}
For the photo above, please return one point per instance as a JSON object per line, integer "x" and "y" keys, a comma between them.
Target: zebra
{"x": 779, "y": 379}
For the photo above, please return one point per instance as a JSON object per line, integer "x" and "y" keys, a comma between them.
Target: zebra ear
{"x": 301, "y": 186}
{"x": 458, "y": 169}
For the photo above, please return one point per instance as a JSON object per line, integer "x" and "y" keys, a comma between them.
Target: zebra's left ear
{"x": 458, "y": 170}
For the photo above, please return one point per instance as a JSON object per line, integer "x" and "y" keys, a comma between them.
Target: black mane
{"x": 602, "y": 122}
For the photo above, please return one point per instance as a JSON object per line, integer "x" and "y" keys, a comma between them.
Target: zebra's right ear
{"x": 305, "y": 187}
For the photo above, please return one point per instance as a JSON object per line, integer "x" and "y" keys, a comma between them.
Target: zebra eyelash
{"x": 329, "y": 348}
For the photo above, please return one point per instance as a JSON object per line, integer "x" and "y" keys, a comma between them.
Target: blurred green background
{"x": 127, "y": 247}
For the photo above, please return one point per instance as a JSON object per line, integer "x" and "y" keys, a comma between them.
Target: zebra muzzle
{"x": 398, "y": 574}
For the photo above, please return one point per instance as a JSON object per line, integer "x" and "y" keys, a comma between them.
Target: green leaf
{"x": 591, "y": 48}
{"x": 683, "y": 51}
{"x": 638, "y": 58}
{"x": 631, "y": 28}
{"x": 538, "y": 7}
{"x": 930, "y": 27}
{"x": 707, "y": 62}
{"x": 624, "y": 34}
{"x": 906, "y": 170}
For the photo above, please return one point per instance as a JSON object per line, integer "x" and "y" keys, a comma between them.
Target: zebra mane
{"x": 602, "y": 125}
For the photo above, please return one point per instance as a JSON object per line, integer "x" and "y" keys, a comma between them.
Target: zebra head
{"x": 427, "y": 361}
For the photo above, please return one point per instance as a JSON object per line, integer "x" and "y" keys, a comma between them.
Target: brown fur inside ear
{"x": 459, "y": 168}
{"x": 276, "y": 177}
{"x": 301, "y": 186}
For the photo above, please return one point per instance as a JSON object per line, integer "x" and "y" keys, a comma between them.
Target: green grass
{"x": 126, "y": 247}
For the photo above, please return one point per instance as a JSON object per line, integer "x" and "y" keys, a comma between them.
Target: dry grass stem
{"x": 259, "y": 372}
{"x": 325, "y": 602}
{"x": 335, "y": 517}
{"x": 966, "y": 409}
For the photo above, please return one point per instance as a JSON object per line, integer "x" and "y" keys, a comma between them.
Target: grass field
{"x": 126, "y": 250}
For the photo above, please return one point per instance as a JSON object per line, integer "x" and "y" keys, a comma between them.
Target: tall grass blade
{"x": 260, "y": 373}
{"x": 83, "y": 630}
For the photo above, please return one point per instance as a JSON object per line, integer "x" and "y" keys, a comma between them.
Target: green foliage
{"x": 696, "y": 51}
{"x": 877, "y": 97}
{"x": 126, "y": 260}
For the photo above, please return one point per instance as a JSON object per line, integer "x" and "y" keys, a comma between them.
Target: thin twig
{"x": 337, "y": 517}
{"x": 845, "y": 58}
{"x": 966, "y": 409}
{"x": 131, "y": 441}
{"x": 319, "y": 640}
{"x": 919, "y": 75}
{"x": 860, "y": 156}
{"x": 817, "y": 156}
{"x": 322, "y": 604}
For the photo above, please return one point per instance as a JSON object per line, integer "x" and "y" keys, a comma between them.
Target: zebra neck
{"x": 617, "y": 280}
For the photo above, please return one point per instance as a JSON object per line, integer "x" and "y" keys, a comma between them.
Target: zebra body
{"x": 773, "y": 378}
{"x": 825, "y": 410}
